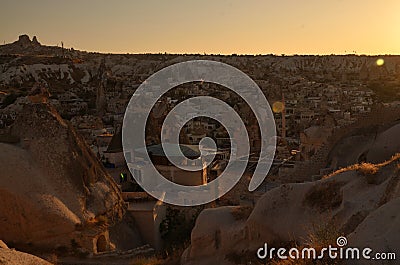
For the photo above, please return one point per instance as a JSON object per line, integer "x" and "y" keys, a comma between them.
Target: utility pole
{"x": 283, "y": 118}
{"x": 62, "y": 48}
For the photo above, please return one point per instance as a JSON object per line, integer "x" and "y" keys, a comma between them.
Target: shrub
{"x": 368, "y": 168}
{"x": 176, "y": 228}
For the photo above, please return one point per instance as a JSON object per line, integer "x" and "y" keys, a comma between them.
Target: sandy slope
{"x": 13, "y": 257}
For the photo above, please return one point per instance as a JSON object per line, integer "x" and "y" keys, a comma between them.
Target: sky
{"x": 208, "y": 26}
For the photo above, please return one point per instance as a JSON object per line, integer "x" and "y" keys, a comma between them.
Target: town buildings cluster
{"x": 310, "y": 96}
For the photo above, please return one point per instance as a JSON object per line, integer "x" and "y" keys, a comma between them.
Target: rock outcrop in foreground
{"x": 13, "y": 257}
{"x": 54, "y": 193}
{"x": 360, "y": 202}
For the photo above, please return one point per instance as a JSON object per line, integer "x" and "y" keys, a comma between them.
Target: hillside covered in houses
{"x": 61, "y": 111}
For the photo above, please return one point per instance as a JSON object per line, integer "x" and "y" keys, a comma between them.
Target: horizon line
{"x": 212, "y": 54}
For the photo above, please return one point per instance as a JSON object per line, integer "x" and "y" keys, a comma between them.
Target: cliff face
{"x": 54, "y": 192}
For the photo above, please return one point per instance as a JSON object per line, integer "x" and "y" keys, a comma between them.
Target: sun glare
{"x": 278, "y": 107}
{"x": 380, "y": 62}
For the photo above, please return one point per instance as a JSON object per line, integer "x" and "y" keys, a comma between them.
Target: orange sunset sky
{"x": 208, "y": 26}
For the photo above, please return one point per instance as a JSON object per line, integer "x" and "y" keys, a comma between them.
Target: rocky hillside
{"x": 26, "y": 61}
{"x": 54, "y": 192}
{"x": 360, "y": 202}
